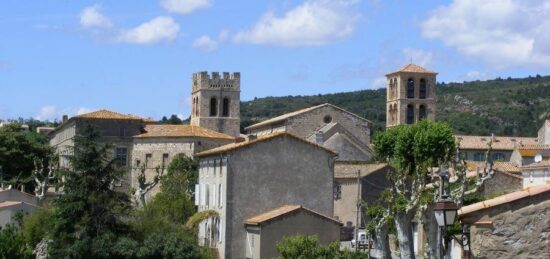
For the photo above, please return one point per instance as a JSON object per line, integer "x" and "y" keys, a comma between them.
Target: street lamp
{"x": 445, "y": 210}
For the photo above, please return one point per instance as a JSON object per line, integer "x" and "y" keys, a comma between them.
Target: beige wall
{"x": 397, "y": 97}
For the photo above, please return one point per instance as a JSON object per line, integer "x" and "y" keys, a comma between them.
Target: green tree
{"x": 19, "y": 150}
{"x": 305, "y": 247}
{"x": 183, "y": 174}
{"x": 89, "y": 214}
{"x": 12, "y": 243}
{"x": 412, "y": 150}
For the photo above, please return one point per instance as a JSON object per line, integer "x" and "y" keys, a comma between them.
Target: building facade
{"x": 266, "y": 230}
{"x": 410, "y": 95}
{"x": 327, "y": 125}
{"x": 245, "y": 179}
{"x": 216, "y": 102}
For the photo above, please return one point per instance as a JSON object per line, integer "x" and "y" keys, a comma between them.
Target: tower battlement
{"x": 215, "y": 80}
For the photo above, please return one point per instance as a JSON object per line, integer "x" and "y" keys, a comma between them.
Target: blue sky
{"x": 69, "y": 57}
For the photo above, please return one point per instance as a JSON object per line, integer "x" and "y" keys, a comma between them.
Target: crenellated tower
{"x": 216, "y": 102}
{"x": 410, "y": 95}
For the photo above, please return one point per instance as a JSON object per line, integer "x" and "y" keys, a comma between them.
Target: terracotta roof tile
{"x": 500, "y": 143}
{"x": 283, "y": 210}
{"x": 503, "y": 166}
{"x": 412, "y": 68}
{"x": 298, "y": 112}
{"x": 537, "y": 165}
{"x": 533, "y": 149}
{"x": 108, "y": 115}
{"x": 366, "y": 169}
{"x": 178, "y": 131}
{"x": 233, "y": 146}
{"x": 504, "y": 199}
{"x": 9, "y": 203}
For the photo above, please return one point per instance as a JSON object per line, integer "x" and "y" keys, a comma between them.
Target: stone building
{"x": 373, "y": 180}
{"x": 216, "y": 102}
{"x": 537, "y": 173}
{"x": 159, "y": 144}
{"x": 248, "y": 178}
{"x": 330, "y": 126}
{"x": 265, "y": 230}
{"x": 410, "y": 95}
{"x": 115, "y": 129}
{"x": 514, "y": 225}
{"x": 474, "y": 147}
{"x": 13, "y": 201}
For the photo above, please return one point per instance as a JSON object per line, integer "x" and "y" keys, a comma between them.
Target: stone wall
{"x": 272, "y": 173}
{"x": 502, "y": 183}
{"x": 400, "y": 100}
{"x": 520, "y": 229}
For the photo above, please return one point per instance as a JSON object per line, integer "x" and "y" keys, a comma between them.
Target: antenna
{"x": 411, "y": 60}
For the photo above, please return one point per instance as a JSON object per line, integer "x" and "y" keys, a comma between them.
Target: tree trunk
{"x": 430, "y": 231}
{"x": 381, "y": 242}
{"x": 404, "y": 235}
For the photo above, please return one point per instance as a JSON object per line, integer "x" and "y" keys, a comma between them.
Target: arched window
{"x": 410, "y": 114}
{"x": 394, "y": 114}
{"x": 213, "y": 106}
{"x": 422, "y": 114}
{"x": 395, "y": 88}
{"x": 423, "y": 91}
{"x": 410, "y": 88}
{"x": 225, "y": 107}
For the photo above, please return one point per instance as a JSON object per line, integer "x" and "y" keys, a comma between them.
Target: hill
{"x": 514, "y": 107}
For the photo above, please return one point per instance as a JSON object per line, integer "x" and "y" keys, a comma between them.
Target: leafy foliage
{"x": 88, "y": 215}
{"x": 515, "y": 107}
{"x": 12, "y": 243}
{"x": 19, "y": 150}
{"x": 305, "y": 247}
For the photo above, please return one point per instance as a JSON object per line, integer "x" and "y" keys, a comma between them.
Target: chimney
{"x": 252, "y": 137}
{"x": 319, "y": 139}
{"x": 239, "y": 139}
{"x": 65, "y": 118}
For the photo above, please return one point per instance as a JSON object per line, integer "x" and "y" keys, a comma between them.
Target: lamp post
{"x": 445, "y": 211}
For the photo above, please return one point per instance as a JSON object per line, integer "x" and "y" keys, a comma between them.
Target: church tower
{"x": 410, "y": 95}
{"x": 216, "y": 102}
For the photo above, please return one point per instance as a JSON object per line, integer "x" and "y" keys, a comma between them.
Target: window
{"x": 422, "y": 114}
{"x": 213, "y": 107}
{"x": 423, "y": 91}
{"x": 225, "y": 107}
{"x": 337, "y": 192}
{"x": 148, "y": 158}
{"x": 410, "y": 114}
{"x": 498, "y": 157}
{"x": 479, "y": 156}
{"x": 164, "y": 159}
{"x": 138, "y": 162}
{"x": 410, "y": 88}
{"x": 122, "y": 155}
{"x": 220, "y": 196}
{"x": 122, "y": 132}
{"x": 327, "y": 119}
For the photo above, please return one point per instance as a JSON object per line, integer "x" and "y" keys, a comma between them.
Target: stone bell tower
{"x": 410, "y": 95}
{"x": 216, "y": 102}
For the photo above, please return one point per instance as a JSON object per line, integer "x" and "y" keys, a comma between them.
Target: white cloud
{"x": 51, "y": 112}
{"x": 184, "y": 6}
{"x": 91, "y": 17}
{"x": 205, "y": 43}
{"x": 224, "y": 34}
{"x": 159, "y": 29}
{"x": 48, "y": 112}
{"x": 378, "y": 83}
{"x": 503, "y": 33}
{"x": 315, "y": 22}
{"x": 418, "y": 56}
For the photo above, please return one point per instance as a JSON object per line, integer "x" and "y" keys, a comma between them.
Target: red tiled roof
{"x": 175, "y": 131}
{"x": 499, "y": 143}
{"x": 504, "y": 199}
{"x": 412, "y": 68}
{"x": 283, "y": 210}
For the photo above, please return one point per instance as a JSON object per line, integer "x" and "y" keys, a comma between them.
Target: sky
{"x": 137, "y": 57}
